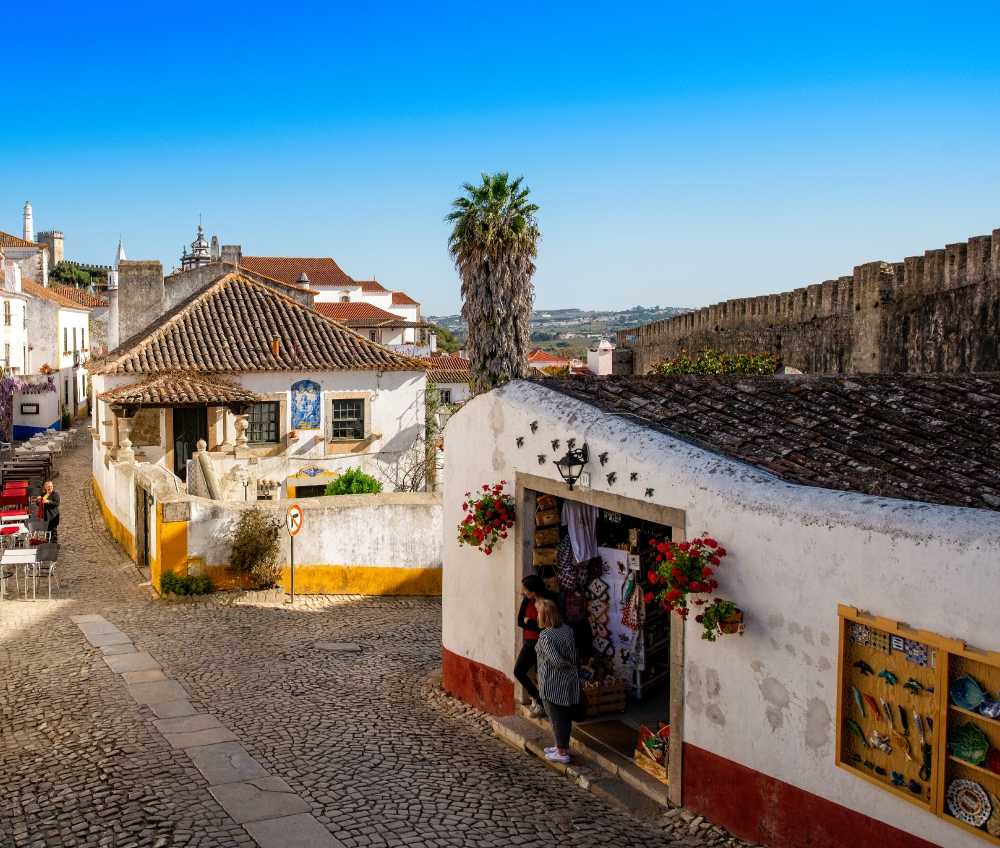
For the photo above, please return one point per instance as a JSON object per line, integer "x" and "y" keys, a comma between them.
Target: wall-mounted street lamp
{"x": 571, "y": 466}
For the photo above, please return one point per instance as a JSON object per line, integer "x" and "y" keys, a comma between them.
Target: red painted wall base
{"x": 762, "y": 809}
{"x": 477, "y": 684}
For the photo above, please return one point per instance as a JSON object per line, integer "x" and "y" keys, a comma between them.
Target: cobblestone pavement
{"x": 355, "y": 735}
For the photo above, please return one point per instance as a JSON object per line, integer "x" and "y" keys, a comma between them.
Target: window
{"x": 263, "y": 421}
{"x": 374, "y": 335}
{"x": 74, "y": 339}
{"x": 348, "y": 419}
{"x": 445, "y": 395}
{"x": 310, "y": 491}
{"x": 6, "y": 354}
{"x": 345, "y": 297}
{"x": 65, "y": 340}
{"x": 6, "y": 313}
{"x": 83, "y": 338}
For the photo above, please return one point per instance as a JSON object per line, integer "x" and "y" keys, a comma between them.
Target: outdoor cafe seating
{"x": 33, "y": 563}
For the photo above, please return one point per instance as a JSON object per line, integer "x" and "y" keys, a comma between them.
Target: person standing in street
{"x": 533, "y": 589}
{"x": 558, "y": 679}
{"x": 48, "y": 508}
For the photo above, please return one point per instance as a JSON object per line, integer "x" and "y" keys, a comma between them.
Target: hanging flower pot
{"x": 731, "y": 623}
{"x": 720, "y": 618}
{"x": 488, "y": 518}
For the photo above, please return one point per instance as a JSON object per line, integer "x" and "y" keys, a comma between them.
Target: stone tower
{"x": 54, "y": 241}
{"x": 113, "y": 273}
{"x": 29, "y": 228}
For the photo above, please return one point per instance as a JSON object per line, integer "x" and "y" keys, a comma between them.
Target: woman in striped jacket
{"x": 558, "y": 679}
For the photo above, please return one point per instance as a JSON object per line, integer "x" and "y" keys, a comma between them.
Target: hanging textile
{"x": 581, "y": 521}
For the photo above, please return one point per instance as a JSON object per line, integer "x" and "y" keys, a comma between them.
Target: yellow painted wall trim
{"x": 118, "y": 530}
{"x": 171, "y": 548}
{"x": 345, "y": 580}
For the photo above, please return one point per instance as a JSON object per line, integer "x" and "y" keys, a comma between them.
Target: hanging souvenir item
{"x": 566, "y": 570}
{"x": 598, "y": 630}
{"x": 598, "y": 589}
{"x": 913, "y": 687}
{"x": 881, "y": 742}
{"x": 633, "y": 605}
{"x": 855, "y": 728}
{"x": 888, "y": 676}
{"x": 859, "y": 634}
{"x": 576, "y": 606}
{"x": 967, "y": 742}
{"x": 597, "y": 608}
{"x": 968, "y": 802}
{"x": 993, "y": 823}
{"x": 916, "y": 652}
{"x": 871, "y": 703}
{"x": 858, "y": 701}
{"x": 880, "y": 641}
{"x": 965, "y": 693}
{"x": 896, "y": 643}
{"x": 864, "y": 668}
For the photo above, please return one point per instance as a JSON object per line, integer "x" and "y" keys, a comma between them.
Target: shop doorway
{"x": 596, "y": 560}
{"x": 190, "y": 425}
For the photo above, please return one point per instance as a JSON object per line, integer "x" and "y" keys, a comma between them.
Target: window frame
{"x": 274, "y": 423}
{"x": 358, "y": 432}
{"x": 6, "y": 313}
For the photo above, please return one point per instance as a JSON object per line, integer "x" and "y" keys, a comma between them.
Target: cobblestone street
{"x": 354, "y": 735}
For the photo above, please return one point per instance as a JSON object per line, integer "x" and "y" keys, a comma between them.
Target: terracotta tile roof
{"x": 80, "y": 296}
{"x": 403, "y": 299}
{"x": 444, "y": 375}
{"x": 229, "y": 327}
{"x": 178, "y": 389}
{"x": 932, "y": 438}
{"x": 322, "y": 271}
{"x": 7, "y": 240}
{"x": 449, "y": 363}
{"x": 351, "y": 313}
{"x": 371, "y": 286}
{"x": 53, "y": 295}
{"x": 544, "y": 359}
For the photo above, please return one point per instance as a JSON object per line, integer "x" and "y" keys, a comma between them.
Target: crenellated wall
{"x": 936, "y": 312}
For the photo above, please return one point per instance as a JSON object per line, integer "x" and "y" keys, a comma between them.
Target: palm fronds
{"x": 494, "y": 243}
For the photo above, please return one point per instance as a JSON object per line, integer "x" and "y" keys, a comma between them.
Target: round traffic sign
{"x": 293, "y": 519}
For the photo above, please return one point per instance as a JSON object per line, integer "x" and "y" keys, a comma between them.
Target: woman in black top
{"x": 533, "y": 589}
{"x": 50, "y": 508}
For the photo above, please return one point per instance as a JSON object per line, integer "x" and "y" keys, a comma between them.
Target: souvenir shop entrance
{"x": 594, "y": 551}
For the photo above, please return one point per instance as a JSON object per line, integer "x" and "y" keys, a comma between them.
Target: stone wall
{"x": 936, "y": 312}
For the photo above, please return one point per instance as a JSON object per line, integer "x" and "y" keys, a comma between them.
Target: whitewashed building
{"x": 860, "y": 518}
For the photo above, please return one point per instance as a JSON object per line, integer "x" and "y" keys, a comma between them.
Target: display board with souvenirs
{"x": 595, "y": 562}
{"x": 919, "y": 715}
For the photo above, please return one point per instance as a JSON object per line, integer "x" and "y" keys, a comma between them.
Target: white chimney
{"x": 434, "y": 342}
{"x": 12, "y": 276}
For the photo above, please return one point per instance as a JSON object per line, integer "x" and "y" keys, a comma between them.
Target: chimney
{"x": 141, "y": 298}
{"x": 214, "y": 250}
{"x": 233, "y": 254}
{"x": 303, "y": 281}
{"x": 12, "y": 276}
{"x": 275, "y": 347}
{"x": 433, "y": 337}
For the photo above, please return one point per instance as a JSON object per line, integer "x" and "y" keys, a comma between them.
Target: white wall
{"x": 766, "y": 700}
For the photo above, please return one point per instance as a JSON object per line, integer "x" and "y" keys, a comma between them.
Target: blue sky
{"x": 681, "y": 154}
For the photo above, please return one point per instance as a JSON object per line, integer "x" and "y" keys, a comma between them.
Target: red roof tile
{"x": 371, "y": 286}
{"x": 451, "y": 363}
{"x": 80, "y": 296}
{"x": 355, "y": 311}
{"x": 231, "y": 325}
{"x": 440, "y": 375}
{"x": 544, "y": 359}
{"x": 53, "y": 294}
{"x": 933, "y": 438}
{"x": 321, "y": 271}
{"x": 7, "y": 240}
{"x": 403, "y": 299}
{"x": 178, "y": 388}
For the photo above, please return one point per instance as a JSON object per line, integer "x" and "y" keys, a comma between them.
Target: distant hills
{"x": 568, "y": 331}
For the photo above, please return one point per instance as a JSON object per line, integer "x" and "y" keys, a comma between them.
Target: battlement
{"x": 868, "y": 289}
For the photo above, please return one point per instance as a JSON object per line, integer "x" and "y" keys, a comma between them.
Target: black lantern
{"x": 571, "y": 466}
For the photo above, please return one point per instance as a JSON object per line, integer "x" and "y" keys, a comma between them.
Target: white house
{"x": 398, "y": 321}
{"x": 279, "y": 394}
{"x": 860, "y": 518}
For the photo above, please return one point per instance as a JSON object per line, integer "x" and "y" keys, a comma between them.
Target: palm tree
{"x": 494, "y": 244}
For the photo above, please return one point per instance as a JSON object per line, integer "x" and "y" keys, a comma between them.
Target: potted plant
{"x": 719, "y": 618}
{"x": 684, "y": 569}
{"x": 487, "y": 519}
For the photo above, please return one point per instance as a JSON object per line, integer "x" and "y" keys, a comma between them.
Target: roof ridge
{"x": 172, "y": 318}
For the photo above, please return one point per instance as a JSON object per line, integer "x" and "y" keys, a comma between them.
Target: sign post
{"x": 293, "y": 521}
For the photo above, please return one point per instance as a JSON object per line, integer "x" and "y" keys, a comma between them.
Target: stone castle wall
{"x": 936, "y": 312}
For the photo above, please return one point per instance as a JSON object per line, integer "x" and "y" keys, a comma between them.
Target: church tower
{"x": 200, "y": 252}
{"x": 29, "y": 227}
{"x": 113, "y": 273}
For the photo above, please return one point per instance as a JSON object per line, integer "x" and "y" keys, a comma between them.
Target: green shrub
{"x": 200, "y": 584}
{"x": 255, "y": 551}
{"x": 711, "y": 361}
{"x": 354, "y": 482}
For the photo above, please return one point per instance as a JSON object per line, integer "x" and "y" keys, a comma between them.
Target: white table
{"x": 16, "y": 517}
{"x": 19, "y": 557}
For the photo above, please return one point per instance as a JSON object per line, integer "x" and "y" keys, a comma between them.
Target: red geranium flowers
{"x": 488, "y": 518}
{"x": 684, "y": 569}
